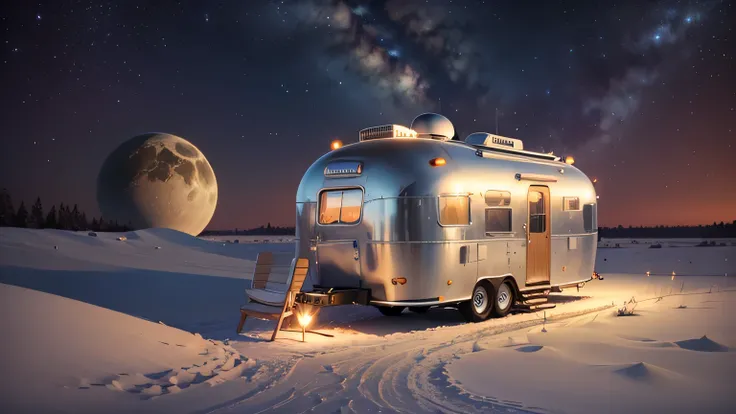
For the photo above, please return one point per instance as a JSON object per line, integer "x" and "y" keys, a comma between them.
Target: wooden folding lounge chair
{"x": 264, "y": 303}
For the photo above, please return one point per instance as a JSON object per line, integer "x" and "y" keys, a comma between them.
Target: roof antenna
{"x": 496, "y": 121}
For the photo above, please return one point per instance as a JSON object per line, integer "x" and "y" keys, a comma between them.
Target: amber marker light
{"x": 569, "y": 160}
{"x": 437, "y": 162}
{"x": 336, "y": 144}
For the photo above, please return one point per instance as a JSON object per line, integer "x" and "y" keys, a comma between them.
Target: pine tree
{"x": 51, "y": 222}
{"x": 83, "y": 224}
{"x": 7, "y": 212}
{"x": 102, "y": 226}
{"x": 60, "y": 218}
{"x": 65, "y": 218}
{"x": 74, "y": 219}
{"x": 94, "y": 226}
{"x": 21, "y": 217}
{"x": 36, "y": 221}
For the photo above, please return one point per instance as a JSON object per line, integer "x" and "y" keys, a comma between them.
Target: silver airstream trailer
{"x": 414, "y": 218}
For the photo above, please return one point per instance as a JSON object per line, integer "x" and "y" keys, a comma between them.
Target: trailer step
{"x": 534, "y": 308}
{"x": 534, "y": 295}
{"x": 543, "y": 306}
{"x": 535, "y": 301}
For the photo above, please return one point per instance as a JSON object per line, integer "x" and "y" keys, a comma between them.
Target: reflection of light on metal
{"x": 648, "y": 274}
{"x": 673, "y": 275}
{"x": 304, "y": 320}
{"x": 437, "y": 162}
{"x": 569, "y": 160}
{"x": 336, "y": 144}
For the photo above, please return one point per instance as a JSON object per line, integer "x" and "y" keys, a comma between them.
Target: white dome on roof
{"x": 435, "y": 126}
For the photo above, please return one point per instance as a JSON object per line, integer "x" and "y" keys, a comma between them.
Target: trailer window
{"x": 590, "y": 218}
{"x": 537, "y": 213}
{"x": 570, "y": 203}
{"x": 454, "y": 210}
{"x": 498, "y": 220}
{"x": 352, "y": 201}
{"x": 498, "y": 198}
{"x": 340, "y": 206}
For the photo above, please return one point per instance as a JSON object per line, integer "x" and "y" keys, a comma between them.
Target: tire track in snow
{"x": 405, "y": 375}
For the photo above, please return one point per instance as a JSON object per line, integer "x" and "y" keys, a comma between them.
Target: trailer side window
{"x": 340, "y": 206}
{"x": 498, "y": 220}
{"x": 454, "y": 210}
{"x": 496, "y": 198}
{"x": 570, "y": 203}
{"x": 590, "y": 218}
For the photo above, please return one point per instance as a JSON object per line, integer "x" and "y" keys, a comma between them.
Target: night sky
{"x": 643, "y": 94}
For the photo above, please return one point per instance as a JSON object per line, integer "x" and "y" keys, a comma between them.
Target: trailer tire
{"x": 503, "y": 300}
{"x": 480, "y": 305}
{"x": 419, "y": 309}
{"x": 391, "y": 310}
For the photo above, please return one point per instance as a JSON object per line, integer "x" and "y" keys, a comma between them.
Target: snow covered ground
{"x": 95, "y": 324}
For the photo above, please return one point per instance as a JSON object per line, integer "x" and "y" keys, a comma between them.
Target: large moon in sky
{"x": 158, "y": 180}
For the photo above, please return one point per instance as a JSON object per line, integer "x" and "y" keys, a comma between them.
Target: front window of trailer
{"x": 340, "y": 206}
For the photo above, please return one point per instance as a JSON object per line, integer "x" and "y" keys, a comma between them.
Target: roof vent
{"x": 494, "y": 141}
{"x": 386, "y": 131}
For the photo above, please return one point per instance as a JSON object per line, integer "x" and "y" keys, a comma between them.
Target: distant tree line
{"x": 715, "y": 230}
{"x": 267, "y": 230}
{"x": 64, "y": 217}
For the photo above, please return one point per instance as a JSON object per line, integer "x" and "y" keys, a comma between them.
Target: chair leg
{"x": 278, "y": 327}
{"x": 243, "y": 315}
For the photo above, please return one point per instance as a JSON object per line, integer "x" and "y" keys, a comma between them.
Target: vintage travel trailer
{"x": 412, "y": 218}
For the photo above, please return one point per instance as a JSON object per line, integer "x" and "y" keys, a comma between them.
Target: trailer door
{"x": 338, "y": 264}
{"x": 538, "y": 247}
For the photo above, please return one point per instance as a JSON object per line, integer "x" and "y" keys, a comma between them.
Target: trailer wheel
{"x": 419, "y": 309}
{"x": 479, "y": 307}
{"x": 391, "y": 310}
{"x": 503, "y": 300}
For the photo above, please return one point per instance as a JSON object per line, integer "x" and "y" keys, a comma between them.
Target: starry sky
{"x": 642, "y": 93}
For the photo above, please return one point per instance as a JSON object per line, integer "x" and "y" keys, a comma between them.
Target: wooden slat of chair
{"x": 262, "y": 270}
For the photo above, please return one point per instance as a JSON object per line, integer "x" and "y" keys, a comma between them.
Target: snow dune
{"x": 59, "y": 353}
{"x": 81, "y": 333}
